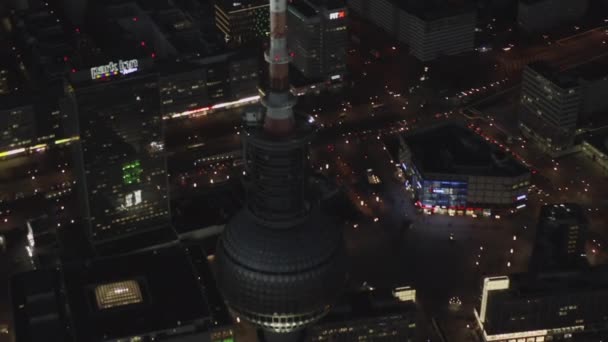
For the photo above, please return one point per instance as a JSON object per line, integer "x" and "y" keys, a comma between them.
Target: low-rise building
{"x": 528, "y": 307}
{"x": 453, "y": 170}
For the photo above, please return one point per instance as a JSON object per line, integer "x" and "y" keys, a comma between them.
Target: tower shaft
{"x": 279, "y": 119}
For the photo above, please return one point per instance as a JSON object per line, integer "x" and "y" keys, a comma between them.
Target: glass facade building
{"x": 444, "y": 193}
{"x": 119, "y": 160}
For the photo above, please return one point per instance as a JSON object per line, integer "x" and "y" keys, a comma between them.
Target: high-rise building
{"x": 119, "y": 160}
{"x": 242, "y": 22}
{"x": 550, "y": 104}
{"x": 430, "y": 28}
{"x": 560, "y": 238}
{"x": 377, "y": 315}
{"x": 318, "y": 38}
{"x": 554, "y": 103}
{"x": 280, "y": 260}
{"x": 569, "y": 306}
{"x": 543, "y": 15}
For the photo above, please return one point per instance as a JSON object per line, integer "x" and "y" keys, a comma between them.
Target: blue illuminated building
{"x": 452, "y": 170}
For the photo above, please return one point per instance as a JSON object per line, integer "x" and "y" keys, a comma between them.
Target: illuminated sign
{"x": 131, "y": 172}
{"x": 337, "y": 15}
{"x": 112, "y": 69}
{"x": 132, "y": 199}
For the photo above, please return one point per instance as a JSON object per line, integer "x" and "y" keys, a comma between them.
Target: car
{"x": 2, "y": 244}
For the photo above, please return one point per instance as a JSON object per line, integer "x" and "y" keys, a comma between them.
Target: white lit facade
{"x": 508, "y": 312}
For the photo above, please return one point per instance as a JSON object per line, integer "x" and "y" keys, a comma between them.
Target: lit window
{"x": 118, "y": 294}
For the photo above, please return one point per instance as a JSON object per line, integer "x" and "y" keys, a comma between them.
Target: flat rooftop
{"x": 303, "y": 8}
{"x": 599, "y": 140}
{"x": 454, "y": 149}
{"x": 594, "y": 70}
{"x": 365, "y": 304}
{"x": 434, "y": 9}
{"x": 556, "y": 283}
{"x": 36, "y": 305}
{"x": 562, "y": 79}
{"x": 570, "y": 212}
{"x": 231, "y": 5}
{"x": 118, "y": 297}
{"x": 329, "y": 4}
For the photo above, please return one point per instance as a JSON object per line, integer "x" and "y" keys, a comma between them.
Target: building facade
{"x": 548, "y": 307}
{"x": 543, "y": 15}
{"x": 243, "y": 22}
{"x": 453, "y": 171}
{"x": 556, "y": 104}
{"x": 378, "y": 315}
{"x": 30, "y": 121}
{"x": 119, "y": 160}
{"x": 432, "y": 35}
{"x": 318, "y": 39}
{"x": 430, "y": 30}
{"x": 550, "y": 105}
{"x": 211, "y": 81}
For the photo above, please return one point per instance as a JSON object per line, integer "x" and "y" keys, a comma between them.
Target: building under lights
{"x": 376, "y": 315}
{"x": 318, "y": 39}
{"x": 119, "y": 161}
{"x": 157, "y": 295}
{"x": 570, "y": 306}
{"x": 242, "y": 22}
{"x": 453, "y": 170}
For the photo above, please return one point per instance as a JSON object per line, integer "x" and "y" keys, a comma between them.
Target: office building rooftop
{"x": 563, "y": 80}
{"x": 599, "y": 140}
{"x": 452, "y": 148}
{"x": 161, "y": 290}
{"x": 562, "y": 212}
{"x": 131, "y": 295}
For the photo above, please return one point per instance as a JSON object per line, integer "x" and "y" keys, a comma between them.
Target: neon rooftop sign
{"x": 113, "y": 69}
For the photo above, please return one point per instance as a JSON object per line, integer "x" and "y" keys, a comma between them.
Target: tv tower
{"x": 280, "y": 261}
